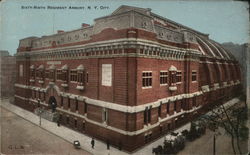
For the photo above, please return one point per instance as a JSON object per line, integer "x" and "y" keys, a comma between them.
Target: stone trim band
{"x": 130, "y": 133}
{"x": 129, "y": 109}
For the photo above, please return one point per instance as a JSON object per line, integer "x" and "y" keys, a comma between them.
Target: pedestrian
{"x": 93, "y": 143}
{"x": 108, "y": 145}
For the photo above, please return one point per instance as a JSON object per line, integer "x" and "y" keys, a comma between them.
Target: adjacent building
{"x": 7, "y": 74}
{"x": 130, "y": 78}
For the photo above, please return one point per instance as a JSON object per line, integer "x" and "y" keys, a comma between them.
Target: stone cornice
{"x": 145, "y": 48}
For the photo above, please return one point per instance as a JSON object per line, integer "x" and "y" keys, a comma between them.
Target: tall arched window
{"x": 32, "y": 73}
{"x": 172, "y": 78}
{"x": 80, "y": 77}
{"x": 65, "y": 75}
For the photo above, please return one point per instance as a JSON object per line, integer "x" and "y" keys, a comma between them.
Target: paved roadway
{"x": 20, "y": 136}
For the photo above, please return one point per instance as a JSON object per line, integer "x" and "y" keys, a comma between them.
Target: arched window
{"x": 64, "y": 75}
{"x": 32, "y": 73}
{"x": 80, "y": 77}
{"x": 52, "y": 69}
{"x": 172, "y": 78}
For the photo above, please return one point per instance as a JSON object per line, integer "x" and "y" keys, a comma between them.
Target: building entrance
{"x": 52, "y": 103}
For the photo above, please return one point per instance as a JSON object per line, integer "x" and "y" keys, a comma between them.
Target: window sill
{"x": 51, "y": 82}
{"x": 194, "y": 81}
{"x": 163, "y": 84}
{"x": 32, "y": 80}
{"x": 40, "y": 81}
{"x": 64, "y": 85}
{"x": 146, "y": 87}
{"x": 172, "y": 88}
{"x": 80, "y": 87}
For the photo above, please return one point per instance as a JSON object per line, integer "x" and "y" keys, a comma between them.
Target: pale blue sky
{"x": 224, "y": 21}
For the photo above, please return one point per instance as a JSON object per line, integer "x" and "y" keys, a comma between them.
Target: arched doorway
{"x": 52, "y": 103}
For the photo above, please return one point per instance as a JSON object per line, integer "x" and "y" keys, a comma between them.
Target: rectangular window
{"x": 159, "y": 111}
{"x": 178, "y": 76}
{"x": 104, "y": 115}
{"x": 67, "y": 120}
{"x": 76, "y": 105}
{"x": 149, "y": 115}
{"x": 194, "y": 75}
{"x": 147, "y": 79}
{"x": 85, "y": 108}
{"x": 52, "y": 75}
{"x": 83, "y": 126}
{"x": 87, "y": 77}
{"x": 145, "y": 116}
{"x": 59, "y": 75}
{"x": 37, "y": 74}
{"x": 47, "y": 74}
{"x": 73, "y": 75}
{"x": 175, "y": 105}
{"x": 62, "y": 101}
{"x": 21, "y": 70}
{"x": 80, "y": 77}
{"x": 33, "y": 73}
{"x": 168, "y": 108}
{"x": 69, "y": 103}
{"x": 75, "y": 123}
{"x": 163, "y": 77}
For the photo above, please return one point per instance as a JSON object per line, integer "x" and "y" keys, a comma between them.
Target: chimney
{"x": 60, "y": 31}
{"x": 85, "y": 25}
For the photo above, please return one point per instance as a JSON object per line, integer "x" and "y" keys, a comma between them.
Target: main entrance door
{"x": 52, "y": 103}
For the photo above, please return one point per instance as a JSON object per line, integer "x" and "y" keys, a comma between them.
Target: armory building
{"x": 129, "y": 78}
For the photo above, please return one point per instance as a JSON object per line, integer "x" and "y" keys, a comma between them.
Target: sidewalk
{"x": 71, "y": 135}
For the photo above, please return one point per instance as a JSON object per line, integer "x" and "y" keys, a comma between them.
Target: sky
{"x": 224, "y": 21}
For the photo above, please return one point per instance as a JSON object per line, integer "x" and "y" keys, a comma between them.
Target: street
{"x": 19, "y": 136}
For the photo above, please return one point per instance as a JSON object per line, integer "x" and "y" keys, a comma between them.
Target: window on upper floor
{"x": 21, "y": 70}
{"x": 47, "y": 74}
{"x": 178, "y": 76}
{"x": 73, "y": 75}
{"x": 163, "y": 77}
{"x": 52, "y": 75}
{"x": 80, "y": 77}
{"x": 147, "y": 79}
{"x": 59, "y": 75}
{"x": 194, "y": 75}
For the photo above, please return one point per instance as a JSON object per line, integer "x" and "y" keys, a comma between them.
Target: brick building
{"x": 7, "y": 74}
{"x": 130, "y": 78}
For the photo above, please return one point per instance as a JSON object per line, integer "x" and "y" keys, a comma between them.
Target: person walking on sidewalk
{"x": 93, "y": 143}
